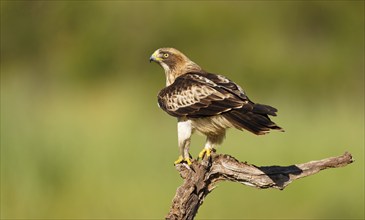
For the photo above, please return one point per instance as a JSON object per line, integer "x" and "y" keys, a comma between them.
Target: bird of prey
{"x": 207, "y": 103}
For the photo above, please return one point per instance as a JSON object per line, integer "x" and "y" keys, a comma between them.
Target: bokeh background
{"x": 82, "y": 136}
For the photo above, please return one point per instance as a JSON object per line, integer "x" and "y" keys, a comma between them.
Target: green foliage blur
{"x": 83, "y": 138}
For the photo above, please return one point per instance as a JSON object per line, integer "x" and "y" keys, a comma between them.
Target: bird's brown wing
{"x": 203, "y": 94}
{"x": 200, "y": 95}
{"x": 233, "y": 88}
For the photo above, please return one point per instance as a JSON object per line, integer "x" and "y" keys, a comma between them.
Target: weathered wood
{"x": 201, "y": 177}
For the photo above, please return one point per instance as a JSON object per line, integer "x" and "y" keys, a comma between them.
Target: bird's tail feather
{"x": 264, "y": 109}
{"x": 254, "y": 118}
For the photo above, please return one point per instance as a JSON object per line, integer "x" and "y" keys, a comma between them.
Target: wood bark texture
{"x": 200, "y": 178}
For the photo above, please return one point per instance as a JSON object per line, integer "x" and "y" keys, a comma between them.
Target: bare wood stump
{"x": 201, "y": 177}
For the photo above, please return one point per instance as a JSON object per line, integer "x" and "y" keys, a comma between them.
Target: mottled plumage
{"x": 206, "y": 102}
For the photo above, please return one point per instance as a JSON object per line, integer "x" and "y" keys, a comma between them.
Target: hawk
{"x": 206, "y": 102}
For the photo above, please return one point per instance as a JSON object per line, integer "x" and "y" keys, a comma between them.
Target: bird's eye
{"x": 165, "y": 55}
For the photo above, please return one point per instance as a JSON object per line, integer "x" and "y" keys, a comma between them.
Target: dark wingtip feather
{"x": 264, "y": 109}
{"x": 254, "y": 122}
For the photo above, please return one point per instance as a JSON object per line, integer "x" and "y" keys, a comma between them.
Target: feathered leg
{"x": 184, "y": 131}
{"x": 212, "y": 141}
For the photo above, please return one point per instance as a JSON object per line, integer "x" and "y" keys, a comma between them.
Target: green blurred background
{"x": 82, "y": 136}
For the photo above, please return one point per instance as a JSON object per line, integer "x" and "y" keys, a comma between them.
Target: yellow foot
{"x": 182, "y": 160}
{"x": 205, "y": 151}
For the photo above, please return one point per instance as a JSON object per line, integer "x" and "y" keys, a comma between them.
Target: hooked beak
{"x": 154, "y": 57}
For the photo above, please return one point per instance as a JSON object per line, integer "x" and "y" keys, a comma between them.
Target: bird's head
{"x": 174, "y": 63}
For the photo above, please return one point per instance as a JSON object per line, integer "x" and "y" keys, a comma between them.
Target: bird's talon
{"x": 182, "y": 160}
{"x": 206, "y": 152}
{"x": 179, "y": 160}
{"x": 188, "y": 161}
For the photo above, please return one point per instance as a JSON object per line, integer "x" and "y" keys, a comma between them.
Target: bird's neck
{"x": 172, "y": 74}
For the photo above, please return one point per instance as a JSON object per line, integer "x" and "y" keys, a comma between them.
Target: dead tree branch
{"x": 201, "y": 177}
